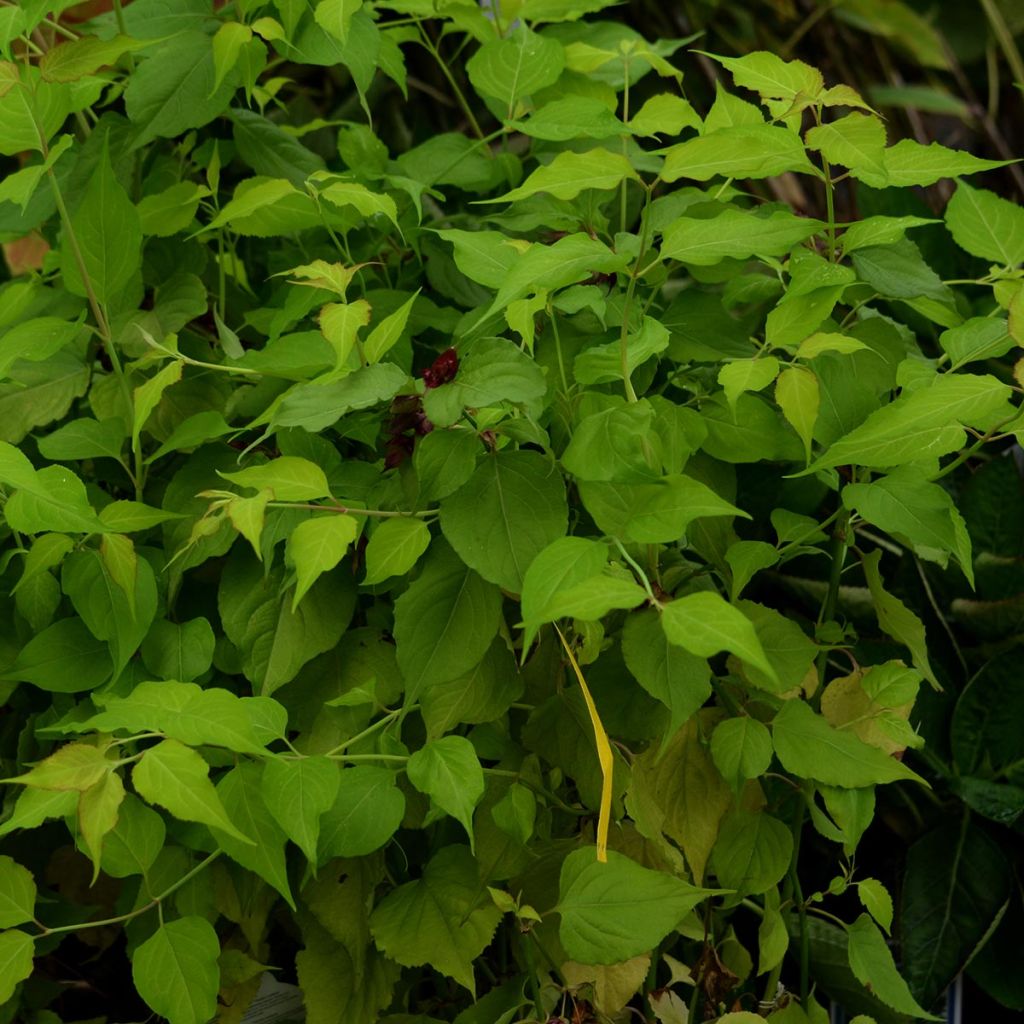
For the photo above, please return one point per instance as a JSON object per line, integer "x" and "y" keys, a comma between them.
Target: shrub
{"x": 455, "y": 567}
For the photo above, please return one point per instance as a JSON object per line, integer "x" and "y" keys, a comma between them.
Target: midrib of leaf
{"x": 452, "y": 618}
{"x": 183, "y": 981}
{"x": 506, "y": 525}
{"x": 992, "y": 236}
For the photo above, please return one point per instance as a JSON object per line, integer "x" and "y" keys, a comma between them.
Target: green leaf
{"x": 511, "y": 508}
{"x": 601, "y": 364}
{"x": 879, "y": 231}
{"x": 176, "y": 778}
{"x": 705, "y": 624}
{"x": 571, "y": 173}
{"x": 387, "y": 333}
{"x": 17, "y": 893}
{"x": 572, "y": 117}
{"x": 808, "y": 747}
{"x": 611, "y": 445}
{"x": 567, "y": 261}
{"x": 37, "y": 339}
{"x": 482, "y": 694}
{"x": 746, "y": 558}
{"x": 444, "y": 622}
{"x": 799, "y": 397}
{"x": 228, "y": 42}
{"x": 519, "y": 65}
{"x": 146, "y": 397}
{"x": 175, "y": 970}
{"x": 744, "y": 151}
{"x": 444, "y": 460}
{"x": 104, "y": 606}
{"x": 240, "y": 794}
{"x": 563, "y": 565}
{"x": 335, "y": 16}
{"x": 351, "y": 193}
{"x": 735, "y": 234}
{"x": 270, "y": 151}
{"x": 35, "y": 102}
{"x": 365, "y": 814}
{"x": 63, "y": 658}
{"x": 175, "y": 89}
{"x": 133, "y": 516}
{"x": 316, "y": 406}
{"x": 109, "y": 237}
{"x": 483, "y": 256}
{"x": 611, "y": 912}
{"x": 896, "y": 619}
{"x": 448, "y": 771}
{"x": 679, "y": 679}
{"x": 747, "y": 375}
{"x": 181, "y": 651}
{"x": 274, "y": 641}
{"x": 873, "y": 966}
{"x": 316, "y": 546}
{"x": 16, "y": 961}
{"x": 186, "y": 712}
{"x": 905, "y": 504}
{"x": 664, "y": 114}
{"x": 922, "y": 424}
{"x": 98, "y": 810}
{"x": 752, "y": 852}
{"x": 771, "y": 76}
{"x": 445, "y": 918}
{"x": 741, "y": 749}
{"x": 81, "y": 57}
{"x": 34, "y": 806}
{"x": 910, "y": 163}
{"x": 956, "y": 885}
{"x": 772, "y": 939}
{"x": 980, "y": 337}
{"x": 340, "y": 323}
{"x": 84, "y": 439}
{"x": 856, "y": 141}
{"x": 135, "y": 842}
{"x": 986, "y": 225}
{"x": 170, "y": 211}
{"x": 494, "y": 370}
{"x": 297, "y": 793}
{"x": 657, "y": 513}
{"x": 289, "y": 477}
{"x": 394, "y": 548}
{"x": 876, "y": 900}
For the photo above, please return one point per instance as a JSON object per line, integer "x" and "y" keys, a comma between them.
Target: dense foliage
{"x": 496, "y": 558}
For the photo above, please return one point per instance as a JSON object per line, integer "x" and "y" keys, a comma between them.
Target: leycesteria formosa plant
{"x": 453, "y": 570}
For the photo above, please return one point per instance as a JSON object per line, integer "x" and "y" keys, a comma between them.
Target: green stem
{"x": 156, "y": 901}
{"x": 631, "y": 395}
{"x": 505, "y": 773}
{"x": 558, "y": 349}
{"x": 625, "y": 144}
{"x": 357, "y": 758}
{"x": 830, "y": 209}
{"x": 1005, "y": 39}
{"x": 377, "y": 513}
{"x": 123, "y": 29}
{"x": 837, "y": 551}
{"x": 645, "y": 582}
{"x": 531, "y": 973}
{"x": 650, "y": 983}
{"x": 369, "y": 731}
{"x": 446, "y": 71}
{"x": 99, "y": 314}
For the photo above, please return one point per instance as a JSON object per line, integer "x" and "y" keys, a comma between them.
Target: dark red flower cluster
{"x": 408, "y": 420}
{"x": 442, "y": 369}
